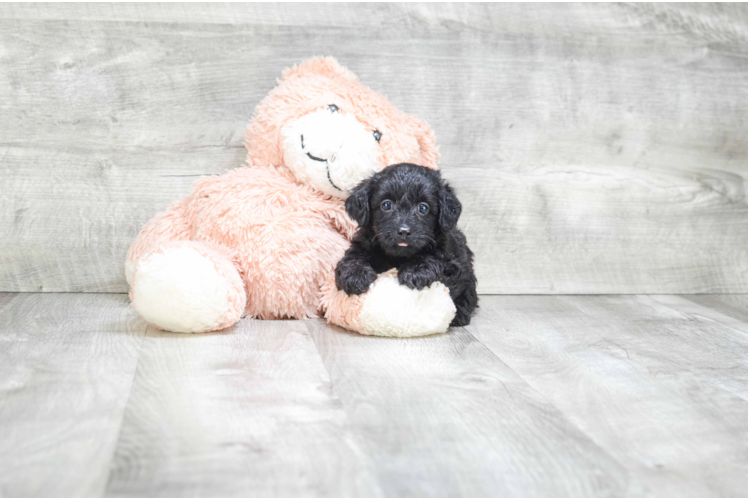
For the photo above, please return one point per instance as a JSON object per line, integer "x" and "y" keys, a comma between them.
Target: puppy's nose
{"x": 403, "y": 231}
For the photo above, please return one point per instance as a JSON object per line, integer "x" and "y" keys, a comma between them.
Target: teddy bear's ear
{"x": 427, "y": 143}
{"x": 324, "y": 66}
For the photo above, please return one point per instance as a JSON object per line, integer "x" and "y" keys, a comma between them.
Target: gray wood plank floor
{"x": 540, "y": 396}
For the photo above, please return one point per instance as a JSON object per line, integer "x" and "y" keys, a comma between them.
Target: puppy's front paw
{"x": 356, "y": 281}
{"x": 416, "y": 278}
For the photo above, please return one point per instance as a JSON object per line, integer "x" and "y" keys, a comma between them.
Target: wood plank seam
{"x": 570, "y": 194}
{"x": 726, "y": 324}
{"x": 124, "y": 410}
{"x": 726, "y": 309}
{"x": 569, "y": 421}
{"x": 336, "y": 397}
{"x": 689, "y": 392}
{"x": 466, "y": 330}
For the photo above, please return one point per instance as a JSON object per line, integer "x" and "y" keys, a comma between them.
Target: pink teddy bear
{"x": 263, "y": 240}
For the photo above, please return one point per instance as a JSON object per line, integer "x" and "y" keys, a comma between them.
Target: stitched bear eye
{"x": 333, "y": 108}
{"x": 377, "y": 135}
{"x": 423, "y": 209}
{"x": 386, "y": 205}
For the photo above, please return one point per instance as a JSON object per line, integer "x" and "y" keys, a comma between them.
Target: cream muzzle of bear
{"x": 330, "y": 150}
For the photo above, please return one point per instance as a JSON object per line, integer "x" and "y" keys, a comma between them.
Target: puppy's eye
{"x": 333, "y": 108}
{"x": 423, "y": 209}
{"x": 386, "y": 205}
{"x": 377, "y": 135}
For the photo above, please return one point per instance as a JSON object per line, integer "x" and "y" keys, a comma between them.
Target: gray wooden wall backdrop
{"x": 597, "y": 148}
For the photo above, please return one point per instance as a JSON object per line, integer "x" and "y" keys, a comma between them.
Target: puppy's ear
{"x": 450, "y": 208}
{"x": 357, "y": 204}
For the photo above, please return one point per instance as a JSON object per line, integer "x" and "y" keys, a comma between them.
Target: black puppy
{"x": 407, "y": 216}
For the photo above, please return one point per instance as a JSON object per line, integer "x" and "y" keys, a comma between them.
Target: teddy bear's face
{"x": 331, "y": 132}
{"x": 331, "y": 150}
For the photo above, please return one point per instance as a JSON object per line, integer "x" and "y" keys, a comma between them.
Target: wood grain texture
{"x": 541, "y": 395}
{"x": 66, "y": 365}
{"x": 724, "y": 360}
{"x": 442, "y": 416}
{"x": 244, "y": 412}
{"x": 735, "y": 305}
{"x": 72, "y": 221}
{"x": 598, "y": 148}
{"x": 658, "y": 382}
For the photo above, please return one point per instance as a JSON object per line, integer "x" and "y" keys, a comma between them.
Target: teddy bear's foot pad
{"x": 188, "y": 289}
{"x": 393, "y": 310}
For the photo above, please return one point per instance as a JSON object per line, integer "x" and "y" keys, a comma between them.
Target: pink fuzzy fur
{"x": 282, "y": 237}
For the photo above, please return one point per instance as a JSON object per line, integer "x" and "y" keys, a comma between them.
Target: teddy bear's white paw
{"x": 187, "y": 291}
{"x": 393, "y": 310}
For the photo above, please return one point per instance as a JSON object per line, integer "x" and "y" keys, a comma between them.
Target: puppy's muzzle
{"x": 403, "y": 233}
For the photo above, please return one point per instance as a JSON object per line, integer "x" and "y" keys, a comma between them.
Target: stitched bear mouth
{"x": 327, "y": 165}
{"x": 330, "y": 179}
{"x": 315, "y": 158}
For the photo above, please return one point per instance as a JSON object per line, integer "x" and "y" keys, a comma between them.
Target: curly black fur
{"x": 424, "y": 247}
